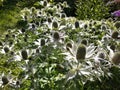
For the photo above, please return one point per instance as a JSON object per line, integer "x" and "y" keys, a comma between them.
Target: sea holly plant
{"x": 55, "y": 52}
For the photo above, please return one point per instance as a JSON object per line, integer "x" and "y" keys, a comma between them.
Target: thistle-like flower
{"x": 45, "y": 3}
{"x": 56, "y": 36}
{"x": 6, "y": 49}
{"x": 40, "y": 42}
{"x": 24, "y": 54}
{"x": 55, "y": 24}
{"x": 80, "y": 53}
{"x": 5, "y": 80}
{"x": 115, "y": 35}
{"x": 49, "y": 20}
{"x": 116, "y": 58}
{"x": 77, "y": 24}
{"x": 84, "y": 41}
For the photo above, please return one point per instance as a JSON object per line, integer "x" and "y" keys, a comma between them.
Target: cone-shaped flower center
{"x": 76, "y": 24}
{"x": 81, "y": 52}
{"x": 37, "y": 50}
{"x": 55, "y": 24}
{"x": 42, "y": 42}
{"x": 116, "y": 58}
{"x": 115, "y": 35}
{"x": 24, "y": 54}
{"x": 56, "y": 36}
{"x": 5, "y": 80}
{"x": 49, "y": 20}
{"x": 45, "y": 3}
{"x": 112, "y": 47}
{"x": 84, "y": 41}
{"x": 6, "y": 49}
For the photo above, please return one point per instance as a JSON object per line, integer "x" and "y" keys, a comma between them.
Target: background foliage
{"x": 92, "y": 9}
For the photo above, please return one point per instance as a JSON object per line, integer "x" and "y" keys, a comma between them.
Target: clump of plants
{"x": 55, "y": 52}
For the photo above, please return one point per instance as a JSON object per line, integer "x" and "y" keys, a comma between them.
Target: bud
{"x": 68, "y": 45}
{"x": 24, "y": 54}
{"x": 55, "y": 24}
{"x": 115, "y": 35}
{"x": 56, "y": 36}
{"x": 5, "y": 80}
{"x": 117, "y": 24}
{"x": 116, "y": 58}
{"x": 84, "y": 41}
{"x": 6, "y": 49}
{"x": 76, "y": 24}
{"x": 81, "y": 52}
{"x": 42, "y": 42}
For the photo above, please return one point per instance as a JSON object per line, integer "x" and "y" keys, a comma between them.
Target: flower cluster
{"x": 51, "y": 50}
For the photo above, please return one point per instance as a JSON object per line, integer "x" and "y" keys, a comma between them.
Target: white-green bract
{"x": 41, "y": 57}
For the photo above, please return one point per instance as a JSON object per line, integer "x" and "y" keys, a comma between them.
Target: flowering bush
{"x": 54, "y": 52}
{"x": 93, "y": 9}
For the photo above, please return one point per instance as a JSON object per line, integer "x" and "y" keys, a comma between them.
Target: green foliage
{"x": 92, "y": 9}
{"x": 7, "y": 19}
{"x": 9, "y": 12}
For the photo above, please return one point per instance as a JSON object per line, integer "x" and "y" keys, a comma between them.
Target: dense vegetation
{"x": 44, "y": 47}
